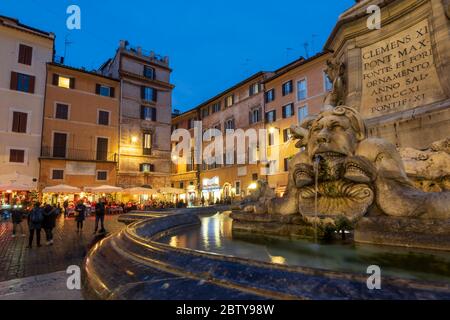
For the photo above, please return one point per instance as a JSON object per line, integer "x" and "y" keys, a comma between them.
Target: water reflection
{"x": 215, "y": 235}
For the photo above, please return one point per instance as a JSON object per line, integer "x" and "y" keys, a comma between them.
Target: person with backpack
{"x": 100, "y": 215}
{"x": 80, "y": 215}
{"x": 49, "y": 222}
{"x": 35, "y": 219}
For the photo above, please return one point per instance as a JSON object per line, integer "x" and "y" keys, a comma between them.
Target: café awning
{"x": 61, "y": 188}
{"x": 139, "y": 191}
{"x": 169, "y": 190}
{"x": 104, "y": 189}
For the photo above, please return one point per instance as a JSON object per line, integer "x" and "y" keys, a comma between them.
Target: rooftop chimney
{"x": 123, "y": 44}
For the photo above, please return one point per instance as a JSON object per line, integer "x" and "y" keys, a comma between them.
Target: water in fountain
{"x": 215, "y": 236}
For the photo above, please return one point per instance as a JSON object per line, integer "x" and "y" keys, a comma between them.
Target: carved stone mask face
{"x": 331, "y": 135}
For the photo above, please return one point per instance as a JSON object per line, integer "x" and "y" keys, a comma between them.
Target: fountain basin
{"x": 136, "y": 264}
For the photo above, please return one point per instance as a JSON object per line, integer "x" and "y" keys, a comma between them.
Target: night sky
{"x": 212, "y": 45}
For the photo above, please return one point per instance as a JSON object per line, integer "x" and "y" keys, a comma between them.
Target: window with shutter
{"x": 148, "y": 94}
{"x": 254, "y": 89}
{"x": 149, "y": 72}
{"x": 57, "y": 174}
{"x": 147, "y": 143}
{"x": 62, "y": 111}
{"x": 59, "y": 145}
{"x": 19, "y": 122}
{"x": 270, "y": 95}
{"x": 102, "y": 175}
{"x": 271, "y": 116}
{"x": 25, "y": 54}
{"x": 16, "y": 155}
{"x": 22, "y": 82}
{"x": 287, "y": 88}
{"x": 216, "y": 107}
{"x": 302, "y": 90}
{"x": 302, "y": 113}
{"x": 64, "y": 82}
{"x": 229, "y": 101}
{"x": 103, "y": 90}
{"x": 102, "y": 149}
{"x": 146, "y": 167}
{"x": 103, "y": 118}
{"x": 288, "y": 110}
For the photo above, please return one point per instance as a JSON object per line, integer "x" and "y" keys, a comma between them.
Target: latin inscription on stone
{"x": 399, "y": 73}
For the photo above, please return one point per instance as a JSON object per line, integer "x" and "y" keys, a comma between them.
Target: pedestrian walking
{"x": 203, "y": 201}
{"x": 80, "y": 215}
{"x": 100, "y": 216}
{"x": 35, "y": 219}
{"x": 17, "y": 218}
{"x": 49, "y": 222}
{"x": 66, "y": 206}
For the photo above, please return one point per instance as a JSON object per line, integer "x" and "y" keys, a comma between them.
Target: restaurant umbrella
{"x": 169, "y": 190}
{"x": 61, "y": 188}
{"x": 105, "y": 189}
{"x": 139, "y": 191}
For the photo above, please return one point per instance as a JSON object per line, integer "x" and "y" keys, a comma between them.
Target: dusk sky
{"x": 212, "y": 45}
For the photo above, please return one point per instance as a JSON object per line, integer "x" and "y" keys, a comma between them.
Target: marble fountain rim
{"x": 150, "y": 249}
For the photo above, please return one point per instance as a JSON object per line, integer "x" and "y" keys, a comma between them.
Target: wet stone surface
{"x": 70, "y": 247}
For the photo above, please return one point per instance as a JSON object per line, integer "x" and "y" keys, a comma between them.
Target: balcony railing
{"x": 77, "y": 154}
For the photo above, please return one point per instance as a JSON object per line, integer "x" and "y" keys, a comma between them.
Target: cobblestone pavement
{"x": 70, "y": 247}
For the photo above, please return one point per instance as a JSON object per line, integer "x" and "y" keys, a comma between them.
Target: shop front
{"x": 17, "y": 190}
{"x": 211, "y": 191}
{"x": 191, "y": 193}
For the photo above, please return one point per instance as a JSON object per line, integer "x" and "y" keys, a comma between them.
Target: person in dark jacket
{"x": 17, "y": 217}
{"x": 35, "y": 219}
{"x": 100, "y": 215}
{"x": 49, "y": 222}
{"x": 66, "y": 206}
{"x": 80, "y": 215}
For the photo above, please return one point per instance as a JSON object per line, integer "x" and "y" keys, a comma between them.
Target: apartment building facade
{"x": 239, "y": 107}
{"x": 80, "y": 128}
{"x": 291, "y": 94}
{"x": 272, "y": 101}
{"x": 185, "y": 174}
{"x": 145, "y": 116}
{"x": 24, "y": 52}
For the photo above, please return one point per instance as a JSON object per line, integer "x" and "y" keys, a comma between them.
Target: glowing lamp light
{"x": 252, "y": 186}
{"x": 271, "y": 130}
{"x": 134, "y": 139}
{"x": 8, "y": 191}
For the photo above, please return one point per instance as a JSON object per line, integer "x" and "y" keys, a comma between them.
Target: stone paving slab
{"x": 70, "y": 247}
{"x": 51, "y": 286}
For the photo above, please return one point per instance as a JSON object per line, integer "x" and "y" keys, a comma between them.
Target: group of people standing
{"x": 100, "y": 211}
{"x": 44, "y": 217}
{"x": 38, "y": 218}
